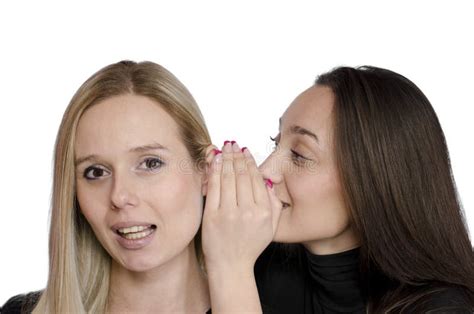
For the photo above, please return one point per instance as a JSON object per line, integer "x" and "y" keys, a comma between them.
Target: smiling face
{"x": 304, "y": 171}
{"x": 136, "y": 184}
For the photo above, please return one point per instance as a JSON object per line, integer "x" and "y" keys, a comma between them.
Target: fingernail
{"x": 269, "y": 183}
{"x": 233, "y": 142}
{"x": 216, "y": 151}
{"x": 226, "y": 142}
{"x": 243, "y": 148}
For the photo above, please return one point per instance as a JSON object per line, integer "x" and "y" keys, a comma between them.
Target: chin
{"x": 139, "y": 268}
{"x": 289, "y": 236}
{"x": 141, "y": 264}
{"x": 287, "y": 233}
{"x": 283, "y": 237}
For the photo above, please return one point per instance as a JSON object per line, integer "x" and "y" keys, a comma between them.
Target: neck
{"x": 178, "y": 286}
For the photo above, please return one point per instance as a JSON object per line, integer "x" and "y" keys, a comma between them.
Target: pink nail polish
{"x": 233, "y": 142}
{"x": 216, "y": 151}
{"x": 269, "y": 183}
{"x": 226, "y": 142}
{"x": 243, "y": 148}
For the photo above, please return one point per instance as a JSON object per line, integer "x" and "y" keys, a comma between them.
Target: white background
{"x": 244, "y": 61}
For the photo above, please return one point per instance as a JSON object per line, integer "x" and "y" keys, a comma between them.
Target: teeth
{"x": 132, "y": 229}
{"x": 138, "y": 235}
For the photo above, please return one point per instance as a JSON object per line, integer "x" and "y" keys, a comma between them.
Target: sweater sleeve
{"x": 20, "y": 304}
{"x": 279, "y": 281}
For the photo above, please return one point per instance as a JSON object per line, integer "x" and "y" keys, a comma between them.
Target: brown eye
{"x": 94, "y": 173}
{"x": 151, "y": 164}
{"x": 97, "y": 172}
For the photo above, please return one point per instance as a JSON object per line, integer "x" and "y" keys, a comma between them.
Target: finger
{"x": 211, "y": 151}
{"x": 244, "y": 190}
{"x": 205, "y": 165}
{"x": 228, "y": 190}
{"x": 276, "y": 207}
{"x": 258, "y": 184}
{"x": 214, "y": 184}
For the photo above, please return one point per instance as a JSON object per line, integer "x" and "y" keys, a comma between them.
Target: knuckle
{"x": 250, "y": 163}
{"x": 231, "y": 216}
{"x": 227, "y": 175}
{"x": 248, "y": 215}
{"x": 265, "y": 215}
{"x": 239, "y": 156}
{"x": 240, "y": 172}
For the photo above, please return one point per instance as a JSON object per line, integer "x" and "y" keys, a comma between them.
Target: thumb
{"x": 211, "y": 151}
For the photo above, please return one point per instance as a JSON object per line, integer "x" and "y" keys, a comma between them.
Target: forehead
{"x": 125, "y": 121}
{"x": 312, "y": 110}
{"x": 313, "y": 106}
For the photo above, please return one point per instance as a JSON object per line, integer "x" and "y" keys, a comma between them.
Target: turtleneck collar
{"x": 335, "y": 281}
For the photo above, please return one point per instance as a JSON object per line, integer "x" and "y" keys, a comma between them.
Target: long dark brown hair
{"x": 397, "y": 182}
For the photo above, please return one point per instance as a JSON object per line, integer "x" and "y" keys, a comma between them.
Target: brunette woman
{"x": 368, "y": 217}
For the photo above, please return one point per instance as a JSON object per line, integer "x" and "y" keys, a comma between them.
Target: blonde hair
{"x": 79, "y": 267}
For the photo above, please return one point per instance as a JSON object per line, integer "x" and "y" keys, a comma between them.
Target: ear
{"x": 207, "y": 163}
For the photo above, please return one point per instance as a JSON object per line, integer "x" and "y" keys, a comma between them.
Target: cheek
{"x": 317, "y": 201}
{"x": 93, "y": 205}
{"x": 178, "y": 202}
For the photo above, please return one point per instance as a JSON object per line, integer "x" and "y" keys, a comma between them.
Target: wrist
{"x": 233, "y": 289}
{"x": 230, "y": 269}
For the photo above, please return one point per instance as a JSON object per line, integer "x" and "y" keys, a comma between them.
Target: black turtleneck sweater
{"x": 292, "y": 280}
{"x": 301, "y": 282}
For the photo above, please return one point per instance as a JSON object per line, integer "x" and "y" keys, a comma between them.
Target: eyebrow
{"x": 145, "y": 148}
{"x": 300, "y": 130}
{"x": 296, "y": 129}
{"x": 138, "y": 149}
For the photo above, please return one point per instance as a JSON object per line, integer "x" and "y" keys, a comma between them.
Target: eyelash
{"x": 154, "y": 159}
{"x": 297, "y": 159}
{"x": 93, "y": 168}
{"x": 146, "y": 162}
{"x": 275, "y": 141}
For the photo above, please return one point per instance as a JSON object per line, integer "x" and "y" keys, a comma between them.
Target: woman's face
{"x": 303, "y": 169}
{"x": 136, "y": 182}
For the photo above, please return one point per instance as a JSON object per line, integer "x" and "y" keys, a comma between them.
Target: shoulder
{"x": 278, "y": 261}
{"x": 287, "y": 255}
{"x": 445, "y": 300}
{"x": 22, "y": 303}
{"x": 280, "y": 266}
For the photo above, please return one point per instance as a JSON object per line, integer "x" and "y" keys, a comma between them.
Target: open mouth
{"x": 136, "y": 232}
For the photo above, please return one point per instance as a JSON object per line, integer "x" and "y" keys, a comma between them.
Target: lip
{"x": 135, "y": 244}
{"x": 128, "y": 224}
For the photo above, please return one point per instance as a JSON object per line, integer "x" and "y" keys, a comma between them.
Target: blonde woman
{"x": 127, "y": 199}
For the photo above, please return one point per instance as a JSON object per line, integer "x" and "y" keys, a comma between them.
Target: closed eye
{"x": 298, "y": 158}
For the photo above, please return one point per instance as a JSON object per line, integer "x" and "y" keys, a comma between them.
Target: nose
{"x": 123, "y": 193}
{"x": 271, "y": 168}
